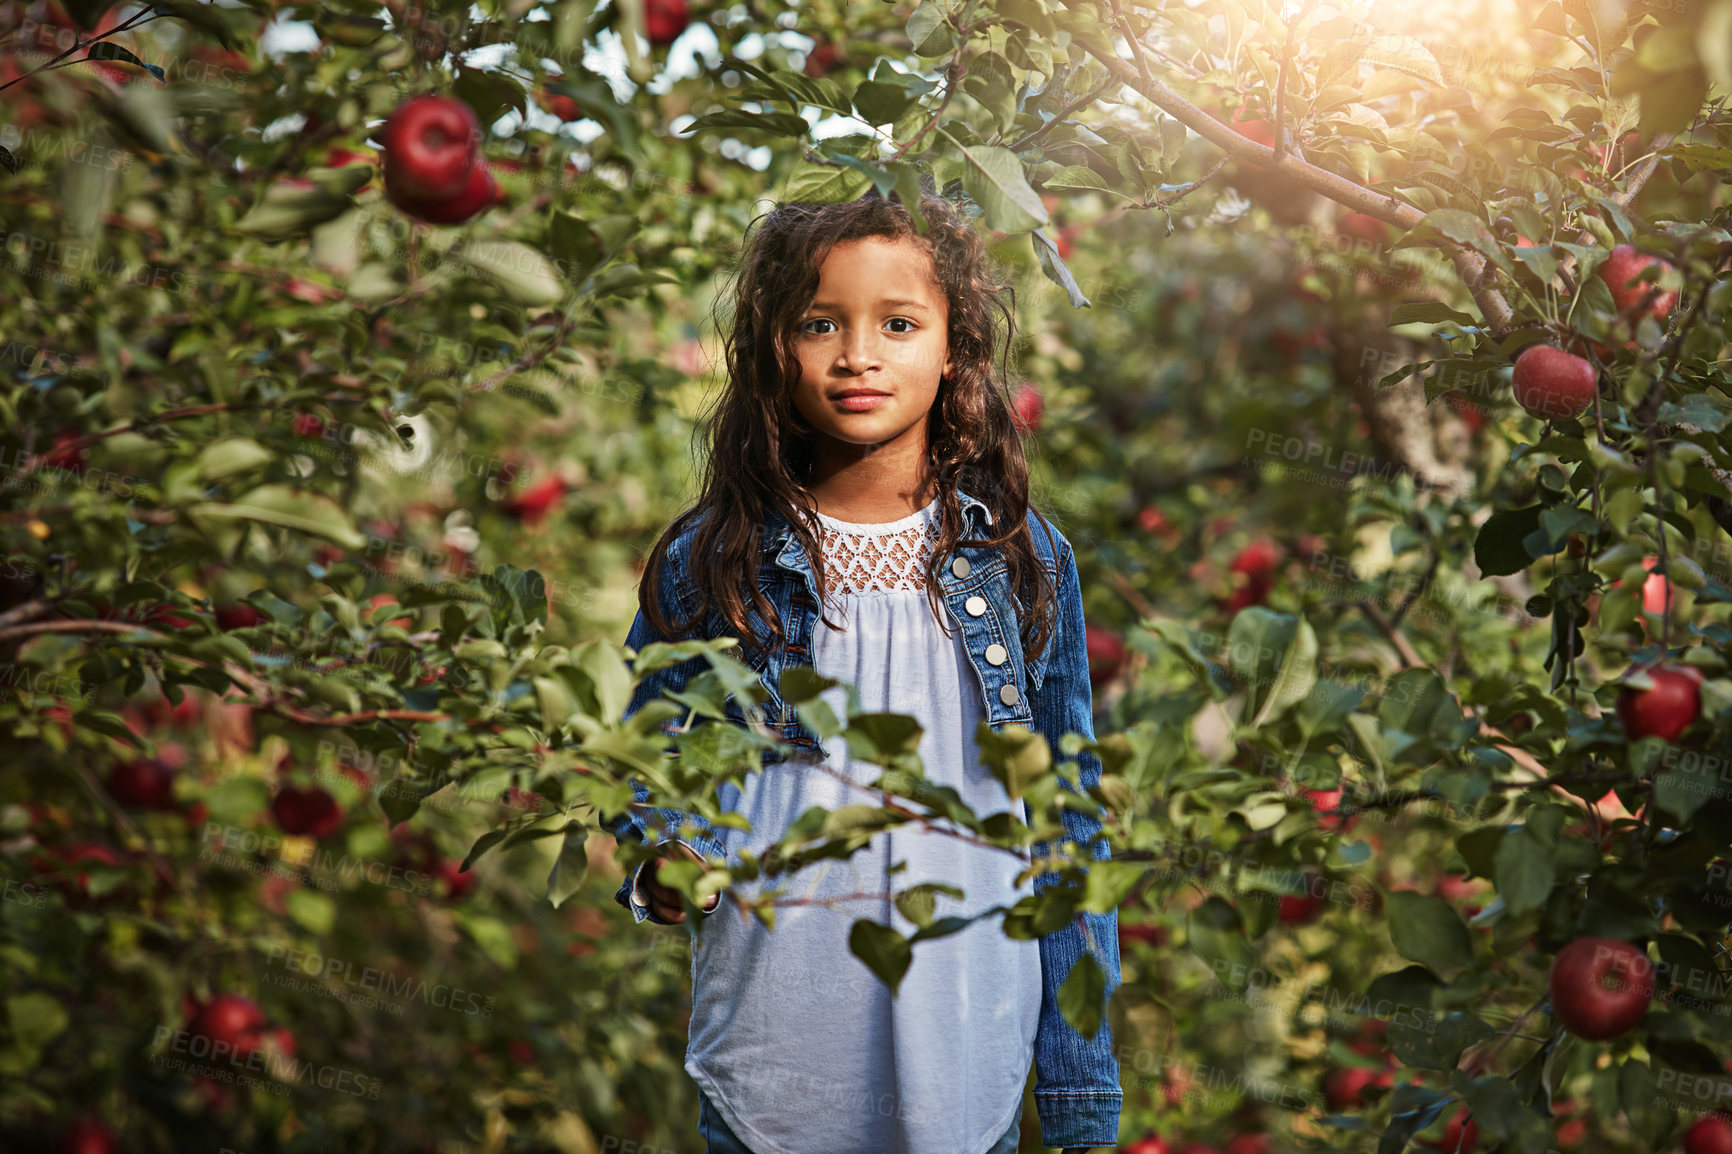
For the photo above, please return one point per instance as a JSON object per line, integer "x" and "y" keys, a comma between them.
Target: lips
{"x": 846, "y": 393}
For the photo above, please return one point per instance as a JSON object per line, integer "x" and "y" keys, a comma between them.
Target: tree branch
{"x": 1469, "y": 265}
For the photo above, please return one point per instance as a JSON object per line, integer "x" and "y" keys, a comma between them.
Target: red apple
{"x": 1296, "y": 909}
{"x": 457, "y": 881}
{"x": 378, "y": 600}
{"x": 1601, "y": 987}
{"x": 1325, "y": 800}
{"x": 1629, "y": 295}
{"x": 480, "y": 191}
{"x": 1461, "y": 1134}
{"x": 1658, "y": 595}
{"x": 1471, "y": 414}
{"x": 532, "y": 505}
{"x": 1710, "y": 1135}
{"x": 309, "y": 811}
{"x": 664, "y": 20}
{"x": 68, "y": 452}
{"x": 1258, "y": 559}
{"x": 1148, "y": 1144}
{"x": 1148, "y": 933}
{"x": 86, "y": 1136}
{"x": 1361, "y": 226}
{"x": 430, "y": 145}
{"x": 1665, "y": 710}
{"x": 825, "y": 59}
{"x": 1249, "y": 1143}
{"x": 1106, "y": 653}
{"x": 1027, "y": 409}
{"x": 1198, "y": 1148}
{"x": 1261, "y": 131}
{"x": 1552, "y": 384}
{"x": 143, "y": 784}
{"x": 238, "y": 616}
{"x": 231, "y": 1019}
{"x": 562, "y": 106}
{"x": 1153, "y": 520}
{"x": 1345, "y": 1089}
{"x": 77, "y": 886}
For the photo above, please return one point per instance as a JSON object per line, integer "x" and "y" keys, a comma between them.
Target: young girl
{"x": 865, "y": 512}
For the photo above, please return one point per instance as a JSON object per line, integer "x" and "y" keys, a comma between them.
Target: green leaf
{"x": 1077, "y": 176}
{"x": 482, "y": 844}
{"x": 1427, "y": 930}
{"x": 777, "y": 124}
{"x": 1498, "y": 550}
{"x": 927, "y": 29}
{"x": 290, "y": 508}
{"x": 109, "y": 50}
{"x": 918, "y": 903}
{"x": 522, "y": 274}
{"x": 232, "y": 455}
{"x": 1057, "y": 271}
{"x": 1216, "y": 933}
{"x": 312, "y": 911}
{"x": 569, "y": 868}
{"x": 290, "y": 208}
{"x": 400, "y": 798}
{"x": 882, "y": 103}
{"x": 995, "y": 180}
{"x": 555, "y": 701}
{"x": 1016, "y": 755}
{"x": 1276, "y": 655}
{"x": 1109, "y": 883}
{"x": 993, "y": 86}
{"x": 575, "y": 246}
{"x": 36, "y": 1018}
{"x": 489, "y": 92}
{"x": 1522, "y": 871}
{"x": 1082, "y": 997}
{"x": 205, "y": 17}
{"x": 1427, "y": 312}
{"x": 811, "y": 183}
{"x": 885, "y": 952}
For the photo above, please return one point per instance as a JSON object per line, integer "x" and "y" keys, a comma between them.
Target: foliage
{"x": 303, "y": 494}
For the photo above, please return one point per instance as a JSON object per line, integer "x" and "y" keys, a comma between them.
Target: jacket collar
{"x": 780, "y": 542}
{"x": 779, "y": 532}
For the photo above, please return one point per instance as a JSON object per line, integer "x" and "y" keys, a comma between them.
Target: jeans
{"x": 718, "y": 1139}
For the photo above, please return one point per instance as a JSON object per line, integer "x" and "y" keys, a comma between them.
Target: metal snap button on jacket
{"x": 975, "y": 605}
{"x": 1009, "y": 695}
{"x": 996, "y": 654}
{"x": 959, "y": 567}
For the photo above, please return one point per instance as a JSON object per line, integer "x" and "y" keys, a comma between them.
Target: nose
{"x": 858, "y": 352}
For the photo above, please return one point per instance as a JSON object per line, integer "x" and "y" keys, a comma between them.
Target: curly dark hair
{"x": 759, "y": 450}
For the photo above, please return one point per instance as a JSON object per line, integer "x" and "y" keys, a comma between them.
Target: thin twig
{"x": 144, "y": 16}
{"x": 1470, "y": 266}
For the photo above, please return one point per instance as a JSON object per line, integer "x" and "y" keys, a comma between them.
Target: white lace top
{"x": 797, "y": 1044}
{"x": 878, "y": 558}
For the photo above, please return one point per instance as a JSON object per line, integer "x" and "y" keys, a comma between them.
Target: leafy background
{"x": 302, "y": 496}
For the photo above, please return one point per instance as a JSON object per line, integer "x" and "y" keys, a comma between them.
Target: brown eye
{"x": 807, "y": 327}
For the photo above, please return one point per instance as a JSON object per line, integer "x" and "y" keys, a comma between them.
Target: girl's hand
{"x": 664, "y": 901}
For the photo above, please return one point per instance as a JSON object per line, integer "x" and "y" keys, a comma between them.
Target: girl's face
{"x": 873, "y": 344}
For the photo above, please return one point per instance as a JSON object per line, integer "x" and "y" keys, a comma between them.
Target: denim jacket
{"x": 1077, "y": 1091}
